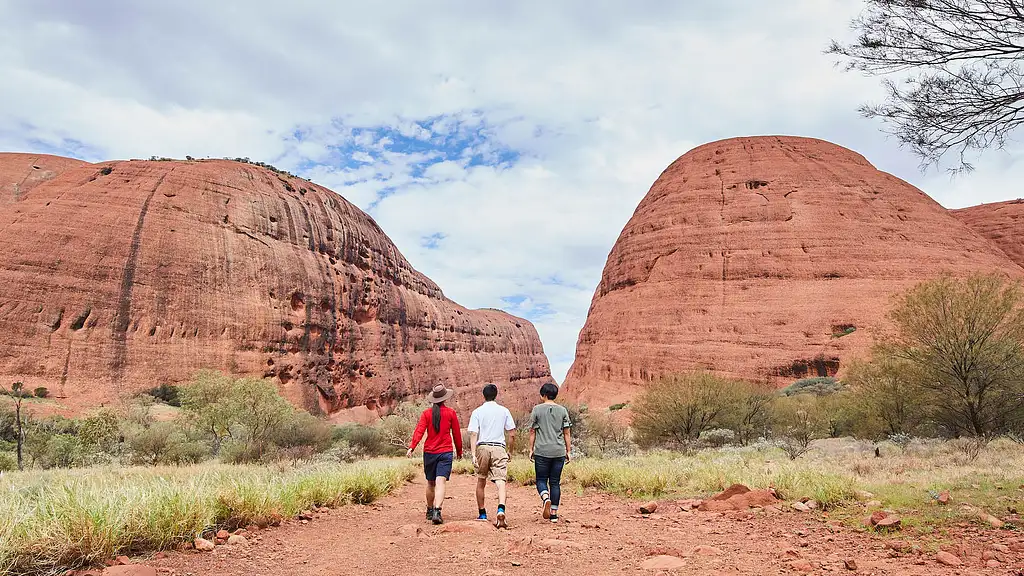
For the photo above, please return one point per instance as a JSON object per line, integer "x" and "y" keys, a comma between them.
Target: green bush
{"x": 819, "y": 386}
{"x": 8, "y": 461}
{"x": 41, "y": 392}
{"x": 166, "y": 393}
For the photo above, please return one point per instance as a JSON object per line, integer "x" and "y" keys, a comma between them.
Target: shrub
{"x": 819, "y": 386}
{"x": 616, "y": 407}
{"x": 678, "y": 408}
{"x": 166, "y": 393}
{"x": 41, "y": 392}
{"x": 8, "y": 461}
{"x": 966, "y": 336}
{"x": 362, "y": 440}
{"x": 718, "y": 437}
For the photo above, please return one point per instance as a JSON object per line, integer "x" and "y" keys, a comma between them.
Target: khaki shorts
{"x": 492, "y": 463}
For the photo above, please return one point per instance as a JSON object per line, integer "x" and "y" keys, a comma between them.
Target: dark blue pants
{"x": 549, "y": 476}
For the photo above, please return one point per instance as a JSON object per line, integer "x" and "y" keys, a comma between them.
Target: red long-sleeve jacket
{"x": 438, "y": 442}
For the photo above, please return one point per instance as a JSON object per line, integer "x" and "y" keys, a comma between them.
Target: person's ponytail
{"x": 436, "y": 415}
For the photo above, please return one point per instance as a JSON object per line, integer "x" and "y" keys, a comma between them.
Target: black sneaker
{"x": 430, "y": 513}
{"x": 436, "y": 517}
{"x": 554, "y": 518}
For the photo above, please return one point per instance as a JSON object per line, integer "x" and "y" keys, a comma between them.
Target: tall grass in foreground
{"x": 55, "y": 520}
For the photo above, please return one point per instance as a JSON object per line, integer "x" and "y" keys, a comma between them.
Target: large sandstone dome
{"x": 120, "y": 276}
{"x": 1000, "y": 222}
{"x": 767, "y": 259}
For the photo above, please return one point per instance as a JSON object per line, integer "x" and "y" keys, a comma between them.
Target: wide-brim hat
{"x": 439, "y": 394}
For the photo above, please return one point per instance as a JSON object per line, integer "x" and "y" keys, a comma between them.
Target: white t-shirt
{"x": 490, "y": 421}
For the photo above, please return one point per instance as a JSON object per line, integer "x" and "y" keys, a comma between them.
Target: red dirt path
{"x": 602, "y": 534}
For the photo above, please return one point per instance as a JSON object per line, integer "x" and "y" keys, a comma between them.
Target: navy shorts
{"x": 435, "y": 465}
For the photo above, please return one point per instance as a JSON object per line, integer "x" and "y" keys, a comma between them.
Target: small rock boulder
{"x": 800, "y": 507}
{"x": 731, "y": 491}
{"x": 948, "y": 559}
{"x": 129, "y": 570}
{"x": 802, "y": 565}
{"x": 648, "y": 508}
{"x": 223, "y": 534}
{"x": 706, "y": 551}
{"x": 410, "y": 531}
{"x": 850, "y": 564}
{"x": 235, "y": 540}
{"x": 943, "y": 498}
{"x": 663, "y": 562}
{"x": 203, "y": 545}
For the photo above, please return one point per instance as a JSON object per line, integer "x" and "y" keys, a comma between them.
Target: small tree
{"x": 748, "y": 413}
{"x": 888, "y": 389}
{"x": 967, "y": 339}
{"x": 678, "y": 408}
{"x": 797, "y": 422}
{"x": 17, "y": 392}
{"x": 963, "y": 60}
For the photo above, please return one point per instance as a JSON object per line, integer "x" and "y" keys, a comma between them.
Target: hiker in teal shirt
{"x": 550, "y": 445}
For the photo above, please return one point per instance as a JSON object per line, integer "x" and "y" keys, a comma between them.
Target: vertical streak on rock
{"x": 725, "y": 238}
{"x": 122, "y": 315}
{"x": 64, "y": 373}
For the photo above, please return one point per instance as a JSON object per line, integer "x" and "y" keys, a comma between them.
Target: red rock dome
{"x": 1001, "y": 222}
{"x": 763, "y": 258}
{"x": 120, "y": 276}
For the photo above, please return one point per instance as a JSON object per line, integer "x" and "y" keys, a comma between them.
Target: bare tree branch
{"x": 963, "y": 86}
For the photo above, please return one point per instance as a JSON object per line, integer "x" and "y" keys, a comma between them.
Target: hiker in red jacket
{"x": 441, "y": 424}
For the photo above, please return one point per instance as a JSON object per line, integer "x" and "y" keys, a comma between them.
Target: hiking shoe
{"x": 499, "y": 522}
{"x": 436, "y": 517}
{"x": 430, "y": 513}
{"x": 554, "y": 518}
{"x": 482, "y": 517}
{"x": 547, "y": 509}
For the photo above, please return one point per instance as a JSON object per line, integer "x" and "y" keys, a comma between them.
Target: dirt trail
{"x": 602, "y": 534}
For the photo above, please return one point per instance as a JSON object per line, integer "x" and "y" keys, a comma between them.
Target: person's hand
{"x": 459, "y": 456}
{"x": 530, "y": 456}
{"x": 474, "y": 461}
{"x": 408, "y": 453}
{"x": 567, "y": 458}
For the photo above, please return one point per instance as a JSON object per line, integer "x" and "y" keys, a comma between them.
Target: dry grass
{"x": 835, "y": 473}
{"x": 52, "y": 521}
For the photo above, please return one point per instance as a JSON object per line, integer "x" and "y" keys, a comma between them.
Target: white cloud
{"x": 567, "y": 112}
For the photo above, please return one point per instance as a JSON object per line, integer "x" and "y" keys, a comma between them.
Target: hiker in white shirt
{"x": 487, "y": 427}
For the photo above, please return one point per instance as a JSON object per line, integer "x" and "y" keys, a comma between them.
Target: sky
{"x": 501, "y": 145}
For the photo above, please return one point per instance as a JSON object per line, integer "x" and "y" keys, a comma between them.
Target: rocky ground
{"x": 601, "y": 534}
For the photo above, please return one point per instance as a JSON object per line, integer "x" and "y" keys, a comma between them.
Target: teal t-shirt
{"x": 549, "y": 420}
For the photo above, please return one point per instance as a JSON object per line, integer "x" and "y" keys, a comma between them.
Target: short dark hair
{"x": 490, "y": 392}
{"x": 549, "y": 391}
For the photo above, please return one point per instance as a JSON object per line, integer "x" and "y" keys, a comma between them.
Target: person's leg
{"x": 481, "y": 487}
{"x": 444, "y": 472}
{"x": 556, "y": 485}
{"x": 439, "y": 492}
{"x": 500, "y": 485}
{"x": 430, "y": 472}
{"x": 542, "y": 468}
{"x": 483, "y": 465}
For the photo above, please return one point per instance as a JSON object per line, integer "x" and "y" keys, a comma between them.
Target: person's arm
{"x": 473, "y": 436}
{"x": 510, "y": 427}
{"x": 533, "y": 440}
{"x": 417, "y": 435}
{"x": 566, "y": 425}
{"x": 457, "y": 434}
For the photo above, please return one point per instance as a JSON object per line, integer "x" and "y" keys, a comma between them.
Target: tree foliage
{"x": 966, "y": 337}
{"x": 962, "y": 85}
{"x": 679, "y": 407}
